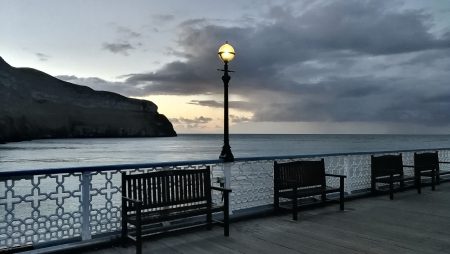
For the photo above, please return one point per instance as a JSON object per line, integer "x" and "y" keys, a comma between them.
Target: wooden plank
{"x": 244, "y": 242}
{"x": 299, "y": 241}
{"x": 203, "y": 243}
{"x": 154, "y": 190}
{"x": 134, "y": 195}
{"x": 145, "y": 190}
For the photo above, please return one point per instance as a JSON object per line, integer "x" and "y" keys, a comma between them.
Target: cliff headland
{"x": 35, "y": 105}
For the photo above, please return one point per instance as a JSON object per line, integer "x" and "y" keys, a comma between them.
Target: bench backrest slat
{"x": 300, "y": 173}
{"x": 169, "y": 188}
{"x": 386, "y": 165}
{"x": 426, "y": 161}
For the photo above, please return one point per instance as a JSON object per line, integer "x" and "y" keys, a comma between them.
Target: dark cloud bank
{"x": 340, "y": 61}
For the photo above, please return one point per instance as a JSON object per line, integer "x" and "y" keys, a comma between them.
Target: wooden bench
{"x": 388, "y": 169}
{"x": 301, "y": 179}
{"x": 168, "y": 195}
{"x": 439, "y": 171}
{"x": 426, "y": 165}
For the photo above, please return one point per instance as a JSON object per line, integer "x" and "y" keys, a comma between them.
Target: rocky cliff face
{"x": 35, "y": 105}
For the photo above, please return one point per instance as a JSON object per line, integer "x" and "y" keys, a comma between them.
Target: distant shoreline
{"x": 219, "y": 134}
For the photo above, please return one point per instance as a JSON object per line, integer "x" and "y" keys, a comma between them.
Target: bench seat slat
{"x": 172, "y": 214}
{"x": 396, "y": 178}
{"x": 183, "y": 202}
{"x": 308, "y": 192}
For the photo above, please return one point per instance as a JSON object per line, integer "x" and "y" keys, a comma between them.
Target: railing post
{"x": 346, "y": 172}
{"x": 86, "y": 206}
{"x": 227, "y": 176}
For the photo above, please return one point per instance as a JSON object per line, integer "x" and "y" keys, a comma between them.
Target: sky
{"x": 345, "y": 66}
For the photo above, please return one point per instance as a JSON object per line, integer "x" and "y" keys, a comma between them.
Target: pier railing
{"x": 49, "y": 206}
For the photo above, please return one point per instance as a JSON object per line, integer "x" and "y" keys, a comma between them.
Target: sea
{"x": 58, "y": 153}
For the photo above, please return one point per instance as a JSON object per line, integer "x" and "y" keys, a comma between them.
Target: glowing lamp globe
{"x": 226, "y": 53}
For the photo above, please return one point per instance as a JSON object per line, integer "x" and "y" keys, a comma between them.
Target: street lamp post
{"x": 226, "y": 54}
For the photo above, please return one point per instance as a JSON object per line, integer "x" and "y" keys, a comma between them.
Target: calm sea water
{"x": 87, "y": 152}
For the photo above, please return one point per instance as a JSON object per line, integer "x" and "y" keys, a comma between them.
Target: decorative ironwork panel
{"x": 357, "y": 170}
{"x": 105, "y": 200}
{"x": 252, "y": 184}
{"x": 39, "y": 208}
{"x": 444, "y": 155}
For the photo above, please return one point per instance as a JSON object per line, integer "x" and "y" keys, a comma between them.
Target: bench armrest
{"x": 341, "y": 185}
{"x": 136, "y": 204}
{"x": 445, "y": 162}
{"x": 131, "y": 200}
{"x": 220, "y": 189}
{"x": 408, "y": 166}
{"x": 335, "y": 175}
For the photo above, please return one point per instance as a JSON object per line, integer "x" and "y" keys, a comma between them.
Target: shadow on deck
{"x": 411, "y": 223}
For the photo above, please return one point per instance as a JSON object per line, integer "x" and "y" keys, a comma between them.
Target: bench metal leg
{"x": 294, "y": 205}
{"x": 391, "y": 188}
{"x": 138, "y": 229}
{"x": 419, "y": 183}
{"x": 373, "y": 186}
{"x": 124, "y": 224}
{"x": 433, "y": 180}
{"x": 226, "y": 215}
{"x": 341, "y": 194}
{"x": 276, "y": 202}
{"x": 138, "y": 240}
{"x": 124, "y": 233}
{"x": 209, "y": 220}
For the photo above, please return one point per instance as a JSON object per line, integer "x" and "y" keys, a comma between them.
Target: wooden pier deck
{"x": 411, "y": 223}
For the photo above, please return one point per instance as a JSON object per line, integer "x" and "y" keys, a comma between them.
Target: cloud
{"x": 127, "y": 33}
{"x": 191, "y": 123}
{"x": 42, "y": 57}
{"x": 103, "y": 85}
{"x": 335, "y": 61}
{"x": 161, "y": 22}
{"x": 118, "y": 47}
{"x": 197, "y": 120}
{"x": 127, "y": 39}
{"x": 163, "y": 18}
{"x": 207, "y": 103}
{"x": 240, "y": 105}
{"x": 170, "y": 80}
{"x": 240, "y": 119}
{"x": 335, "y": 30}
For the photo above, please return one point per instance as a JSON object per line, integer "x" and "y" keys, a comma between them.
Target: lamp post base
{"x": 226, "y": 155}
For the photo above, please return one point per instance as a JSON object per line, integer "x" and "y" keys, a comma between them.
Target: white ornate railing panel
{"x": 41, "y": 206}
{"x": 251, "y": 182}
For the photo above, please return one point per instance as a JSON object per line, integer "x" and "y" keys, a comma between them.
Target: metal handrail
{"x": 43, "y": 171}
